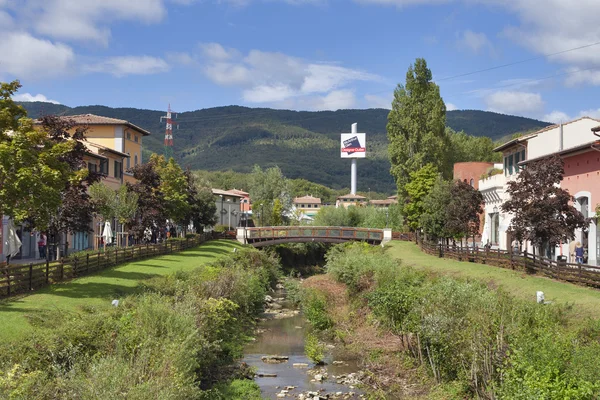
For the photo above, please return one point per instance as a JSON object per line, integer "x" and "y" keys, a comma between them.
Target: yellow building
{"x": 308, "y": 205}
{"x": 116, "y": 134}
{"x": 348, "y": 200}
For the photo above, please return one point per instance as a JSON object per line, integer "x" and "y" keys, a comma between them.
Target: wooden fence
{"x": 24, "y": 278}
{"x": 526, "y": 262}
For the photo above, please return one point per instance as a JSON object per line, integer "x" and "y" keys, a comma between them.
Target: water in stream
{"x": 285, "y": 337}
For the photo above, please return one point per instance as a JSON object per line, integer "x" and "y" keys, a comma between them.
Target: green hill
{"x": 303, "y": 144}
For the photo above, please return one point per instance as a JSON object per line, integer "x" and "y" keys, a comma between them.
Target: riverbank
{"x": 421, "y": 334}
{"x": 100, "y": 289}
{"x": 585, "y": 301}
{"x": 175, "y": 336}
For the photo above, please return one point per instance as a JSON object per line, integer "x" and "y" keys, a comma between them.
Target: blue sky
{"x": 304, "y": 54}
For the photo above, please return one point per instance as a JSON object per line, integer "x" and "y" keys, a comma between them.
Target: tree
{"x": 542, "y": 211}
{"x": 103, "y": 199}
{"x": 465, "y": 147}
{"x": 266, "y": 187}
{"x": 420, "y": 185}
{"x": 203, "y": 207}
{"x": 416, "y": 127}
{"x": 464, "y": 210}
{"x": 39, "y": 167}
{"x": 151, "y": 212}
{"x": 434, "y": 219}
{"x": 174, "y": 188}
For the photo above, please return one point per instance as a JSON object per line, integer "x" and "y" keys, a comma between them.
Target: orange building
{"x": 471, "y": 172}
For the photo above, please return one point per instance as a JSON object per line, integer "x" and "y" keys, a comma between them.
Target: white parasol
{"x": 107, "y": 234}
{"x": 12, "y": 243}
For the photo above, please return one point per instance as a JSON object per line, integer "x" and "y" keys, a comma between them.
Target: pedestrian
{"x": 42, "y": 245}
{"x": 515, "y": 246}
{"x": 579, "y": 253}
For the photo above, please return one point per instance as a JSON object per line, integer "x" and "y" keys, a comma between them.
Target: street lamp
{"x": 387, "y": 215}
{"x": 229, "y": 214}
{"x": 221, "y": 208}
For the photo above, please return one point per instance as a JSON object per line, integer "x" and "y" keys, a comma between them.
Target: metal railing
{"x": 284, "y": 234}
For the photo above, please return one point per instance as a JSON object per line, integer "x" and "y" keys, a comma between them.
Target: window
{"x": 135, "y": 160}
{"x": 135, "y": 138}
{"x": 472, "y": 183}
{"x": 118, "y": 172}
{"x": 128, "y": 135}
{"x": 522, "y": 155}
{"x": 92, "y": 167}
{"x": 510, "y": 164}
{"x": 104, "y": 167}
{"x": 505, "y": 166}
{"x": 128, "y": 161}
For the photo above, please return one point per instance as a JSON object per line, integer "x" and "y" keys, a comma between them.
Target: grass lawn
{"x": 100, "y": 289}
{"x": 586, "y": 301}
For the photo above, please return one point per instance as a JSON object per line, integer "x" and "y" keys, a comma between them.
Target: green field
{"x": 585, "y": 301}
{"x": 100, "y": 289}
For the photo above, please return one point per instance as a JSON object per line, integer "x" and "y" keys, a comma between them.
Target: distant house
{"x": 308, "y": 205}
{"x": 384, "y": 203}
{"x": 348, "y": 200}
{"x": 245, "y": 203}
{"x": 228, "y": 207}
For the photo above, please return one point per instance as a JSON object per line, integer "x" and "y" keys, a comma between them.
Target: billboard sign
{"x": 353, "y": 145}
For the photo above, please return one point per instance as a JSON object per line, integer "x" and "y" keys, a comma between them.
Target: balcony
{"x": 494, "y": 182}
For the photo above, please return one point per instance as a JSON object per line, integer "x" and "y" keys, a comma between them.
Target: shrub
{"x": 314, "y": 306}
{"x": 314, "y": 350}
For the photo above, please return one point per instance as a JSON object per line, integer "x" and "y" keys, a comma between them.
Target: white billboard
{"x": 353, "y": 145}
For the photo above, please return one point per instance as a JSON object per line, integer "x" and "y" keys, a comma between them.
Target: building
{"x": 246, "y": 204}
{"x": 472, "y": 172}
{"x": 114, "y": 146}
{"x": 348, "y": 200}
{"x": 577, "y": 145}
{"x": 228, "y": 204}
{"x": 307, "y": 205}
{"x": 384, "y": 203}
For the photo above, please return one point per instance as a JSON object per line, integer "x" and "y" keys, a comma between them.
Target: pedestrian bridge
{"x": 271, "y": 235}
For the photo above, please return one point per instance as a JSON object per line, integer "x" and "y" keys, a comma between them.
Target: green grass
{"x": 100, "y": 289}
{"x": 586, "y": 301}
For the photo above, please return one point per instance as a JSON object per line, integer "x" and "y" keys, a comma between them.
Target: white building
{"x": 565, "y": 140}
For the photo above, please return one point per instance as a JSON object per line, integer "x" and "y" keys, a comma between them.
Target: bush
{"x": 314, "y": 350}
{"x": 170, "y": 341}
{"x": 314, "y": 306}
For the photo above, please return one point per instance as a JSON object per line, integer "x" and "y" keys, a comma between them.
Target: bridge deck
{"x": 265, "y": 236}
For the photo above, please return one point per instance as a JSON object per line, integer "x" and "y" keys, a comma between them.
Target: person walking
{"x": 515, "y": 246}
{"x": 42, "y": 245}
{"x": 579, "y": 253}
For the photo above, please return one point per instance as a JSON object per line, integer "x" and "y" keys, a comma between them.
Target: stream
{"x": 281, "y": 333}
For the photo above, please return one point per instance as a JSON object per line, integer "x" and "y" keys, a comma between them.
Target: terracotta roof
{"x": 351, "y": 196}
{"x": 236, "y": 191}
{"x": 307, "y": 200}
{"x": 104, "y": 148}
{"x": 384, "y": 202}
{"x": 225, "y": 193}
{"x": 91, "y": 119}
{"x": 566, "y": 152}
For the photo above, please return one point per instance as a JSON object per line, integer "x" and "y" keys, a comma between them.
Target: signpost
{"x": 353, "y": 146}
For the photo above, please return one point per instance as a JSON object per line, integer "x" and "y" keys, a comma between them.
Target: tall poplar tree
{"x": 416, "y": 127}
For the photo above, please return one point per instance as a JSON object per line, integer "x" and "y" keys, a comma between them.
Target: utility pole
{"x": 168, "y": 147}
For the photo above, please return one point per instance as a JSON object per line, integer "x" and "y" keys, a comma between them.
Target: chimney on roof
{"x": 560, "y": 137}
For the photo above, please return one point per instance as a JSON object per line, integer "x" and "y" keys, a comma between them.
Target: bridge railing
{"x": 283, "y": 232}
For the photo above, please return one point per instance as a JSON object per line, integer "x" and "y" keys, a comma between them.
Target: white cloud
{"x": 475, "y": 42}
{"x": 130, "y": 65}
{"x": 181, "y": 58}
{"x": 24, "y": 56}
{"x": 375, "y": 101}
{"x": 514, "y": 102}
{"x": 30, "y": 97}
{"x": 592, "y": 113}
{"x": 578, "y": 77}
{"x": 451, "y": 107}
{"x": 556, "y": 117}
{"x": 272, "y": 77}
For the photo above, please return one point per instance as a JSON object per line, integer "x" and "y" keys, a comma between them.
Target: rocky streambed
{"x": 282, "y": 368}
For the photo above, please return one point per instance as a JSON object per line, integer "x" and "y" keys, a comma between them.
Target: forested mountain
{"x": 303, "y": 144}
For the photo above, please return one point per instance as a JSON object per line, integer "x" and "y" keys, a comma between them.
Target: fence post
{"x": 30, "y": 276}
{"x": 116, "y": 255}
{"x": 7, "y": 281}
{"x": 47, "y": 271}
{"x": 98, "y": 263}
{"x": 75, "y": 265}
{"x": 511, "y": 260}
{"x": 62, "y": 268}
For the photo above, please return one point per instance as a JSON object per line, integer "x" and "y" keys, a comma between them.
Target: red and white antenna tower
{"x": 168, "y": 148}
